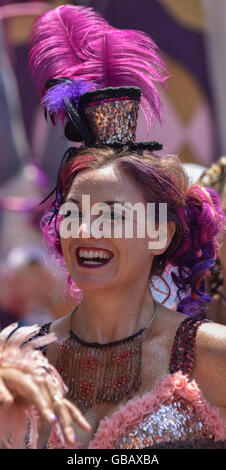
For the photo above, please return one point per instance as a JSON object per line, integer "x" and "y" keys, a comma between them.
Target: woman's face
{"x": 130, "y": 258}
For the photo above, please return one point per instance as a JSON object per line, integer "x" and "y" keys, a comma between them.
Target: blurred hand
{"x": 51, "y": 405}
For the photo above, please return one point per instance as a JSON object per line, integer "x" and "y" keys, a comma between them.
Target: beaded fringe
{"x": 97, "y": 373}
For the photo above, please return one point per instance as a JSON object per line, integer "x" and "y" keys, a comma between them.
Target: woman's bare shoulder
{"x": 169, "y": 320}
{"x": 61, "y": 326}
{"x": 209, "y": 369}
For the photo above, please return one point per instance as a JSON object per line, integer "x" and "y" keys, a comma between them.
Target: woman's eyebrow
{"x": 72, "y": 200}
{"x": 105, "y": 202}
{"x": 113, "y": 202}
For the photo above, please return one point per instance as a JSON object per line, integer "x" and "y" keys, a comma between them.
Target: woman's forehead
{"x": 104, "y": 182}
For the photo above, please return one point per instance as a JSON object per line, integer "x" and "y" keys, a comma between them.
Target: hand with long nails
{"x": 52, "y": 407}
{"x": 27, "y": 378}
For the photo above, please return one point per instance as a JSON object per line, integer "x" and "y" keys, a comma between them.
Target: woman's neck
{"x": 110, "y": 316}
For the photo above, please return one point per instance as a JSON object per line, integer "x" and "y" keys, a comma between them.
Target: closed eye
{"x": 114, "y": 216}
{"x": 72, "y": 214}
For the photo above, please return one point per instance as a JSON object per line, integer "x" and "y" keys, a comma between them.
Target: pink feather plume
{"x": 56, "y": 41}
{"x": 127, "y": 58}
{"x": 76, "y": 42}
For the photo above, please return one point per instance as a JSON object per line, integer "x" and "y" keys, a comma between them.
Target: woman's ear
{"x": 165, "y": 236}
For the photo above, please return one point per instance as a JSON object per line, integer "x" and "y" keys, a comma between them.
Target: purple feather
{"x": 53, "y": 101}
{"x": 56, "y": 40}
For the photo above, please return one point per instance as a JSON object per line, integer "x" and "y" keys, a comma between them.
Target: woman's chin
{"x": 91, "y": 283}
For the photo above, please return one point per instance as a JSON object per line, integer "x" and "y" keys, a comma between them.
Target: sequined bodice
{"x": 174, "y": 411}
{"x": 173, "y": 419}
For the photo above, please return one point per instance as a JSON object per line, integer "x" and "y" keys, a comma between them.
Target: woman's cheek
{"x": 65, "y": 245}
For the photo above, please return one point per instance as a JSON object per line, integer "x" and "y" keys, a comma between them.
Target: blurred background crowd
{"x": 192, "y": 37}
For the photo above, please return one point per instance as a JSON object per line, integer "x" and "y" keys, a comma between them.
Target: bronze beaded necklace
{"x": 96, "y": 372}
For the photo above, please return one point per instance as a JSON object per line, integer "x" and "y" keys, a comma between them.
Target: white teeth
{"x": 93, "y": 254}
{"x": 91, "y": 262}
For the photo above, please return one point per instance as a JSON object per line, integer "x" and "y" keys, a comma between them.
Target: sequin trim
{"x": 173, "y": 420}
{"x": 108, "y": 100}
{"x": 182, "y": 354}
{"x": 113, "y": 121}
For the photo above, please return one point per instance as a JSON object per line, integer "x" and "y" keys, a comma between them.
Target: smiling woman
{"x": 142, "y": 178}
{"x": 140, "y": 374}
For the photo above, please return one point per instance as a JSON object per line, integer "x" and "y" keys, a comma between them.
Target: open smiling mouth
{"x": 92, "y": 257}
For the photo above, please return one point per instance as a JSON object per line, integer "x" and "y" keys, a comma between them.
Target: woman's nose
{"x": 89, "y": 227}
{"x": 84, "y": 230}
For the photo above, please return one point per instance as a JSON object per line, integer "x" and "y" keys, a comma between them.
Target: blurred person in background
{"x": 215, "y": 177}
{"x": 6, "y": 317}
{"x": 31, "y": 293}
